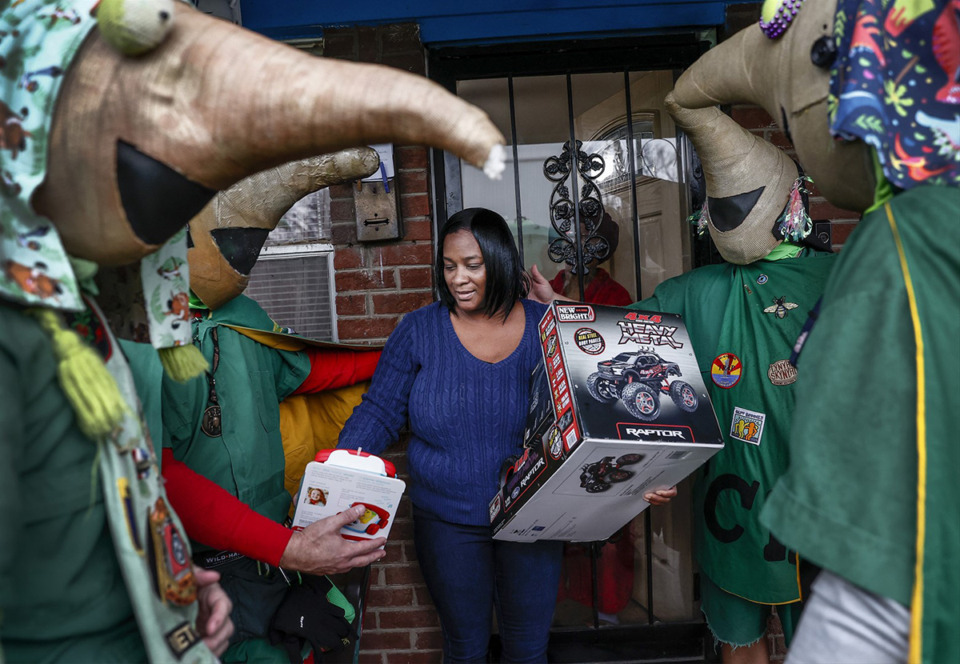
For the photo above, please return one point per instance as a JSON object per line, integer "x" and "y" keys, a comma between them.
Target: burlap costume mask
{"x": 749, "y": 182}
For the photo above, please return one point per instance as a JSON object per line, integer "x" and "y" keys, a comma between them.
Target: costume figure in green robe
{"x": 743, "y": 321}
{"x": 94, "y": 565}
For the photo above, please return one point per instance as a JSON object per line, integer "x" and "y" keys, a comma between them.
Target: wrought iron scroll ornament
{"x": 595, "y": 247}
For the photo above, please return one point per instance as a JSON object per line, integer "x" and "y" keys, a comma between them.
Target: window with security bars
{"x": 293, "y": 279}
{"x": 307, "y": 221}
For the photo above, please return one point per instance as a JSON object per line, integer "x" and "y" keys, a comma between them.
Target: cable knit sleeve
{"x": 376, "y": 423}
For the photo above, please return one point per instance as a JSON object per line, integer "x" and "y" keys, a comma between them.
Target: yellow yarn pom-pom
{"x": 134, "y": 27}
{"x": 88, "y": 386}
{"x": 183, "y": 362}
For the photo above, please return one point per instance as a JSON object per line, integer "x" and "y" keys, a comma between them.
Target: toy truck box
{"x": 618, "y": 408}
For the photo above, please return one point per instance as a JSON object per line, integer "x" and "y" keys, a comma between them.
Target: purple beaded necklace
{"x": 781, "y": 20}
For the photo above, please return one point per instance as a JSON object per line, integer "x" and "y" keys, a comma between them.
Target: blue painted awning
{"x": 447, "y": 22}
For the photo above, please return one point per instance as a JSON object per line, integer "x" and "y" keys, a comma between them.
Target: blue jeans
{"x": 469, "y": 574}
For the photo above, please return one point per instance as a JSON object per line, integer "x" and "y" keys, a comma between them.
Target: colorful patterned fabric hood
{"x": 38, "y": 41}
{"x": 895, "y": 86}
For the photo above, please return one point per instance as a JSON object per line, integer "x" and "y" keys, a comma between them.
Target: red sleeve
{"x": 333, "y": 367}
{"x": 213, "y": 516}
{"x": 608, "y": 291}
{"x": 557, "y": 282}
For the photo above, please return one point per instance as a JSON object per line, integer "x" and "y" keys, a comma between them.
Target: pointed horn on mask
{"x": 749, "y": 181}
{"x": 228, "y": 233}
{"x": 212, "y": 104}
{"x": 735, "y": 71}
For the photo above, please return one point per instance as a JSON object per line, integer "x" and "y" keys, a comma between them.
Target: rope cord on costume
{"x": 211, "y": 423}
{"x": 916, "y": 601}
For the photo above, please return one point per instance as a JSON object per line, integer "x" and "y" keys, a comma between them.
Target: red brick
{"x": 429, "y": 639}
{"x": 416, "y": 277}
{"x": 342, "y": 209}
{"x": 361, "y": 280}
{"x": 370, "y": 658}
{"x": 409, "y": 619}
{"x": 415, "y": 657}
{"x": 418, "y": 230}
{"x": 400, "y": 303}
{"x": 346, "y": 258}
{"x": 370, "y": 618}
{"x": 751, "y": 117}
{"x": 338, "y": 191}
{"x": 422, "y": 594}
{"x": 383, "y": 640}
{"x": 394, "y": 553}
{"x": 841, "y": 231}
{"x": 400, "y": 462}
{"x": 398, "y": 575}
{"x": 416, "y": 205}
{"x": 341, "y": 234}
{"x": 410, "y": 156}
{"x": 351, "y": 305}
{"x": 355, "y": 329}
{"x": 824, "y": 210}
{"x": 402, "y": 530}
{"x": 402, "y": 254}
{"x": 389, "y": 596}
{"x": 405, "y": 510}
{"x": 413, "y": 181}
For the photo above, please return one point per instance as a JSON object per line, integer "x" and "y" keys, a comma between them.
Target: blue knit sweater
{"x": 466, "y": 415}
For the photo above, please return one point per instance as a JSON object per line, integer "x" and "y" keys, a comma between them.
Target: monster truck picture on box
{"x": 639, "y": 380}
{"x": 646, "y": 385}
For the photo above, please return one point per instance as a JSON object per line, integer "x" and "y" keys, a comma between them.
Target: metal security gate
{"x": 597, "y": 191}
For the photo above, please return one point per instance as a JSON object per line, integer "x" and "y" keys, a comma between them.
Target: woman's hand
{"x": 540, "y": 289}
{"x": 661, "y": 496}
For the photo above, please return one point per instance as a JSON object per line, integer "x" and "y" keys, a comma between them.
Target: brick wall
{"x": 376, "y": 284}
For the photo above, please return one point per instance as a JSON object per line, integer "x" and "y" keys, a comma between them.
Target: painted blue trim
{"x": 486, "y": 22}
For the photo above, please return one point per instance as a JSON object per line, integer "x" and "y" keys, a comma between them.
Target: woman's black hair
{"x": 506, "y": 281}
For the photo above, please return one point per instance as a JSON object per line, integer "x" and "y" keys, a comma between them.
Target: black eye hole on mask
{"x": 240, "y": 246}
{"x": 157, "y": 200}
{"x": 728, "y": 212}
{"x": 823, "y": 53}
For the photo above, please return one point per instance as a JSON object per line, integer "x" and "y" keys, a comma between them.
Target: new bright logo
{"x": 579, "y": 313}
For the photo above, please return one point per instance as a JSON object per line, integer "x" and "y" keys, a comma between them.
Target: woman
{"x": 459, "y": 369}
